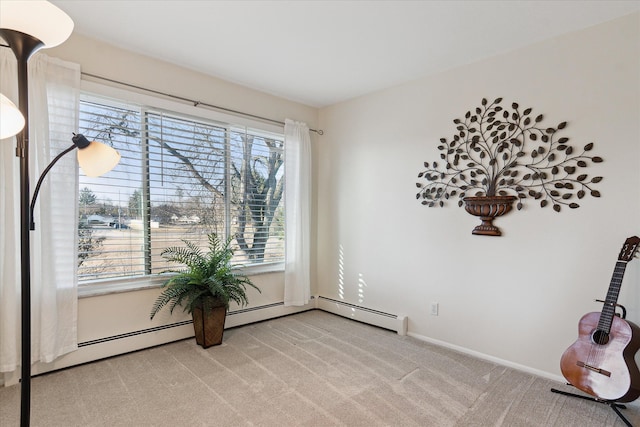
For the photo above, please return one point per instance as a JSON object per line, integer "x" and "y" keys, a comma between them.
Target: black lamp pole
{"x": 23, "y": 46}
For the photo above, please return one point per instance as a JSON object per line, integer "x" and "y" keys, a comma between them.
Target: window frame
{"x": 143, "y": 101}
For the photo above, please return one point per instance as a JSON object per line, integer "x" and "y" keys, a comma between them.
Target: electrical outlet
{"x": 434, "y": 308}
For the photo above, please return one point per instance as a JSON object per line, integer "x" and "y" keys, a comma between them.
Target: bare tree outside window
{"x": 260, "y": 197}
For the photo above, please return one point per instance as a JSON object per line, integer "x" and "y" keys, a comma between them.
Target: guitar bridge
{"x": 593, "y": 368}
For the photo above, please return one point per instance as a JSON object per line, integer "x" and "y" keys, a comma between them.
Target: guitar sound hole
{"x": 600, "y": 337}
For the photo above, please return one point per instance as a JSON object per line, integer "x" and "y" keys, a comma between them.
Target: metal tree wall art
{"x": 501, "y": 155}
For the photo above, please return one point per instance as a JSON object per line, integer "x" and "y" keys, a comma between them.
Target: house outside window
{"x": 180, "y": 177}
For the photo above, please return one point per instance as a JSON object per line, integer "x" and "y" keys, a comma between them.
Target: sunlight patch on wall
{"x": 361, "y": 285}
{"x": 340, "y": 272}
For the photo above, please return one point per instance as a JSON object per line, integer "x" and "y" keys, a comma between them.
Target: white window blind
{"x": 179, "y": 178}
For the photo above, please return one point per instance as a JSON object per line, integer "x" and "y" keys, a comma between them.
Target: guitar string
{"x": 598, "y": 349}
{"x": 592, "y": 358}
{"x": 606, "y": 309}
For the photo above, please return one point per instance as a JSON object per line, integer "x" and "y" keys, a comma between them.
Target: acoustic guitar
{"x": 601, "y": 361}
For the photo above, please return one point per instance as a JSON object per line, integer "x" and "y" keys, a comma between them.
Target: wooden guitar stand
{"x": 612, "y": 404}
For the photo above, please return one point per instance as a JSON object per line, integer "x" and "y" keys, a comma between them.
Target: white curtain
{"x": 53, "y": 116}
{"x": 297, "y": 159}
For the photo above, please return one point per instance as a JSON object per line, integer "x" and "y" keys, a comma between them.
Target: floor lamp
{"x": 28, "y": 26}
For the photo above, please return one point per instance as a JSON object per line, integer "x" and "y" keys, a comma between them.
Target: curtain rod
{"x": 195, "y": 103}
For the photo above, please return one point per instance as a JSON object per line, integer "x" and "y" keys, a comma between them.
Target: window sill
{"x": 269, "y": 267}
{"x": 131, "y": 284}
{"x": 119, "y": 285}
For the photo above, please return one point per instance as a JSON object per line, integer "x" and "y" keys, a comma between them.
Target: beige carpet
{"x": 310, "y": 369}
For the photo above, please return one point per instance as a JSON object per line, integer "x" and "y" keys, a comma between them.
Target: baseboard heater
{"x": 234, "y": 318}
{"x": 134, "y": 333}
{"x": 393, "y": 322}
{"x": 252, "y": 314}
{"x": 255, "y": 314}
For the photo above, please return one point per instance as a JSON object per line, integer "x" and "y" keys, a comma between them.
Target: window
{"x": 180, "y": 177}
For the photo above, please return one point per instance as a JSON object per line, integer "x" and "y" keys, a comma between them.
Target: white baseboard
{"x": 490, "y": 358}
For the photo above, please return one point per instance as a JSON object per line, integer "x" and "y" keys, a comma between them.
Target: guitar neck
{"x": 609, "y": 308}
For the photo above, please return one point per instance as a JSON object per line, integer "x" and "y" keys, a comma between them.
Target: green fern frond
{"x": 191, "y": 256}
{"x": 174, "y": 291}
{"x": 206, "y": 276}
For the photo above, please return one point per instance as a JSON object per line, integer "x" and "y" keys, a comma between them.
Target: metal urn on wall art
{"x": 499, "y": 156}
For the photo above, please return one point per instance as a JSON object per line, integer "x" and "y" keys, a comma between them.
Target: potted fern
{"x": 204, "y": 288}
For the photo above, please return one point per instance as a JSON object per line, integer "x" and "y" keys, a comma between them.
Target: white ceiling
{"x": 323, "y": 52}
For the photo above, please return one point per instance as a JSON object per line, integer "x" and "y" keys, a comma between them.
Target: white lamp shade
{"x": 97, "y": 158}
{"x": 39, "y": 19}
{"x": 11, "y": 119}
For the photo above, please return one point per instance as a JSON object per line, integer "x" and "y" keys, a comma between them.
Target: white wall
{"x": 517, "y": 298}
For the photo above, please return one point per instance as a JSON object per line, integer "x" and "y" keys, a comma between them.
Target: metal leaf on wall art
{"x": 500, "y": 155}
